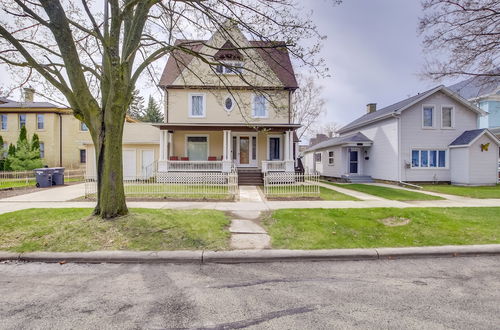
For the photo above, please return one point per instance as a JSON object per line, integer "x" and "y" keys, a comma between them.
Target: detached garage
{"x": 141, "y": 144}
{"x": 474, "y": 158}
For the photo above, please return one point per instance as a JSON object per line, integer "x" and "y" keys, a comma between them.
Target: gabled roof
{"x": 400, "y": 106}
{"x": 4, "y": 100}
{"x": 13, "y": 104}
{"x": 346, "y": 139}
{"x": 274, "y": 53}
{"x": 468, "y": 137}
{"x": 476, "y": 87}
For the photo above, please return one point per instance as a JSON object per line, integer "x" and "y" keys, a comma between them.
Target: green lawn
{"x": 324, "y": 194}
{"x": 467, "y": 191}
{"x": 17, "y": 184}
{"x": 388, "y": 193}
{"x": 73, "y": 229}
{"x": 363, "y": 228}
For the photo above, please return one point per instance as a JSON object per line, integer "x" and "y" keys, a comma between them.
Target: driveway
{"x": 457, "y": 293}
{"x": 55, "y": 194}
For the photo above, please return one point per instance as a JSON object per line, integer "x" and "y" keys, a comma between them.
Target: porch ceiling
{"x": 233, "y": 127}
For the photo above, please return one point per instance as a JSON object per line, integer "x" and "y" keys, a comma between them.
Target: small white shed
{"x": 474, "y": 158}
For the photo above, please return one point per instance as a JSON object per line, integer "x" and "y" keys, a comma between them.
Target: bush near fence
{"x": 289, "y": 184}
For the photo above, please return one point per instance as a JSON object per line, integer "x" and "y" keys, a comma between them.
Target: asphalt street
{"x": 439, "y": 293}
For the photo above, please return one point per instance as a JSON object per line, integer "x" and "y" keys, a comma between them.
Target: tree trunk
{"x": 110, "y": 192}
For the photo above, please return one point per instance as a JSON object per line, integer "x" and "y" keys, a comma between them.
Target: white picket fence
{"x": 27, "y": 178}
{"x": 197, "y": 185}
{"x": 290, "y": 184}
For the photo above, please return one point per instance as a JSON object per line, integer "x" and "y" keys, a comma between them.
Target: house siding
{"x": 383, "y": 154}
{"x": 483, "y": 165}
{"x": 413, "y": 136}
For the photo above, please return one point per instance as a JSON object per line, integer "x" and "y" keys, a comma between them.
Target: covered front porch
{"x": 223, "y": 148}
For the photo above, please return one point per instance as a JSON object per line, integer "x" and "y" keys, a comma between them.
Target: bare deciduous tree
{"x": 93, "y": 57}
{"x": 308, "y": 104}
{"x": 462, "y": 38}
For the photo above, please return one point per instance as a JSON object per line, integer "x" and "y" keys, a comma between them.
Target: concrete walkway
{"x": 356, "y": 194}
{"x": 56, "y": 194}
{"x": 250, "y": 194}
{"x": 246, "y": 232}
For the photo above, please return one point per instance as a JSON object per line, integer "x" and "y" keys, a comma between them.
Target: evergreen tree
{"x": 35, "y": 142}
{"x": 25, "y": 158}
{"x": 153, "y": 113}
{"x": 11, "y": 152}
{"x": 23, "y": 136}
{"x": 136, "y": 108}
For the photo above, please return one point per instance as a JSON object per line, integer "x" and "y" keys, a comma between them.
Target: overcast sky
{"x": 372, "y": 50}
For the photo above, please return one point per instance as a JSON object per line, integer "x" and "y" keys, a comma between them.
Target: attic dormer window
{"x": 229, "y": 67}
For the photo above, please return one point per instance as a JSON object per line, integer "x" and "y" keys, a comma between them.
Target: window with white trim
{"x": 331, "y": 157}
{"x": 421, "y": 158}
{"x": 317, "y": 157}
{"x": 40, "y": 121}
{"x": 259, "y": 106}
{"x": 197, "y": 105}
{"x": 3, "y": 119}
{"x": 42, "y": 150}
{"x": 83, "y": 127}
{"x": 22, "y": 120}
{"x": 229, "y": 103}
{"x": 229, "y": 67}
{"x": 447, "y": 117}
{"x": 428, "y": 116}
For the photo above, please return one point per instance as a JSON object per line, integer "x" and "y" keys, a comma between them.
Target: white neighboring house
{"x": 429, "y": 137}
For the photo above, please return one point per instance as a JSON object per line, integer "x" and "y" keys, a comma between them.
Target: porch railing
{"x": 277, "y": 166}
{"x": 189, "y": 166}
{"x": 176, "y": 184}
{"x": 290, "y": 184}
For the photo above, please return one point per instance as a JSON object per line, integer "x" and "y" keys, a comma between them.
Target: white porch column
{"x": 289, "y": 163}
{"x": 226, "y": 151}
{"x": 162, "y": 145}
{"x": 170, "y": 142}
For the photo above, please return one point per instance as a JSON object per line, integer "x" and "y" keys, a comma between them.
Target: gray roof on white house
{"x": 393, "y": 108}
{"x": 345, "y": 139}
{"x": 396, "y": 108}
{"x": 468, "y": 137}
{"x": 477, "y": 86}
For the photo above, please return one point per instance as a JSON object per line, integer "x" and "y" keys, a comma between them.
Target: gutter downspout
{"x": 60, "y": 140}
{"x": 398, "y": 118}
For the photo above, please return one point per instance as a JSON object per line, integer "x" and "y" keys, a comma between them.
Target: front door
{"x": 244, "y": 150}
{"x": 353, "y": 161}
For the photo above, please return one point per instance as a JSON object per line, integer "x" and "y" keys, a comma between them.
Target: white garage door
{"x": 147, "y": 163}
{"x": 129, "y": 164}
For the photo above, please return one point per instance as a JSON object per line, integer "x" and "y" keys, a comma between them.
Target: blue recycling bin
{"x": 43, "y": 177}
{"x": 57, "y": 176}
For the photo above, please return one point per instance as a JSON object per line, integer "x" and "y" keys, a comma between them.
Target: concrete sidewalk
{"x": 256, "y": 206}
{"x": 55, "y": 194}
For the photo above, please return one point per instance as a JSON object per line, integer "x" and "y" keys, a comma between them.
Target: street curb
{"x": 252, "y": 256}
{"x": 255, "y": 256}
{"x": 119, "y": 257}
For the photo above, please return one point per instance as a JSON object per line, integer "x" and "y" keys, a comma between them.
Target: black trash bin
{"x": 58, "y": 176}
{"x": 43, "y": 177}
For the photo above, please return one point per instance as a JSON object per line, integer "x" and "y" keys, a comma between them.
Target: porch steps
{"x": 250, "y": 177}
{"x": 357, "y": 178}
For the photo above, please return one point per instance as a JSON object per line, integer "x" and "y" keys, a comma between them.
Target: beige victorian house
{"x": 229, "y": 107}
